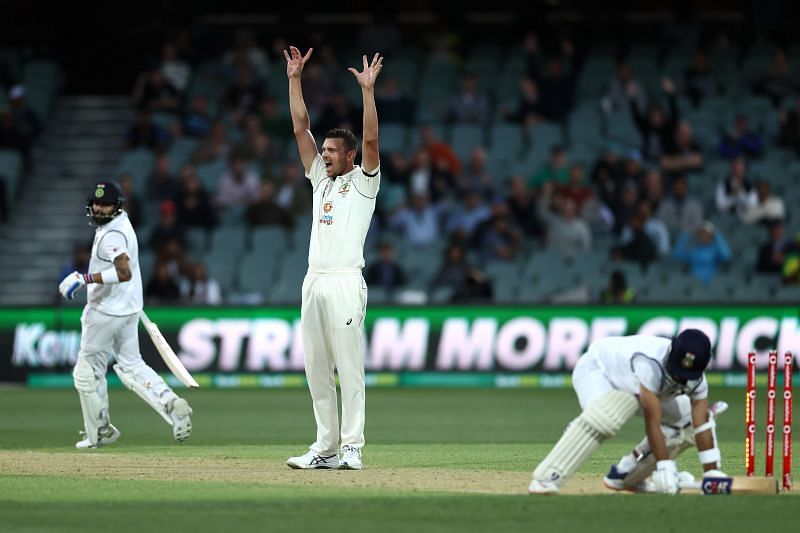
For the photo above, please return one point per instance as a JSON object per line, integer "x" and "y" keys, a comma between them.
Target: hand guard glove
{"x": 665, "y": 478}
{"x": 70, "y": 285}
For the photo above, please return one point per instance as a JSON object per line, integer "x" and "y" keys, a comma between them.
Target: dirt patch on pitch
{"x": 233, "y": 470}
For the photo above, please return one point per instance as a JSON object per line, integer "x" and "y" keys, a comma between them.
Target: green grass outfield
{"x": 436, "y": 460}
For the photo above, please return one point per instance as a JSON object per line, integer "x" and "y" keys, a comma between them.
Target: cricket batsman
{"x": 617, "y": 377}
{"x": 109, "y": 325}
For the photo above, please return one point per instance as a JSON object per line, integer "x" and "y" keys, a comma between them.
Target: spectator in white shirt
{"x": 767, "y": 210}
{"x": 735, "y": 194}
{"x": 198, "y": 288}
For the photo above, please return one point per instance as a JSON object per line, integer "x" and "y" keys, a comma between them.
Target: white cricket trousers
{"x": 590, "y": 383}
{"x": 332, "y": 314}
{"x": 104, "y": 336}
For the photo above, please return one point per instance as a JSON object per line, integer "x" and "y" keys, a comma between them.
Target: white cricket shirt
{"x": 110, "y": 241}
{"x": 343, "y": 208}
{"x": 628, "y": 362}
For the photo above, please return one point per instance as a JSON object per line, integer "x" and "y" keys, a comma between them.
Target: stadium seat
{"x": 257, "y": 272}
{"x": 147, "y": 265}
{"x": 180, "y": 152}
{"x": 465, "y": 138}
{"x": 197, "y": 239}
{"x": 222, "y": 266}
{"x": 228, "y": 240}
{"x": 288, "y": 285}
{"x": 394, "y": 138}
{"x": 269, "y": 240}
{"x": 506, "y": 141}
{"x": 10, "y": 171}
{"x": 209, "y": 174}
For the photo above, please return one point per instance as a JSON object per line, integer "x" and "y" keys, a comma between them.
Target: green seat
{"x": 228, "y": 240}
{"x": 209, "y": 174}
{"x": 139, "y": 164}
{"x": 147, "y": 264}
{"x": 180, "y": 152}
{"x": 197, "y": 239}
{"x": 10, "y": 171}
{"x": 222, "y": 266}
{"x": 257, "y": 272}
{"x": 269, "y": 240}
{"x": 506, "y": 141}
{"x": 465, "y": 138}
{"x": 288, "y": 285}
{"x": 393, "y": 137}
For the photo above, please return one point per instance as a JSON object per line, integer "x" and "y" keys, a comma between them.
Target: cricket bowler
{"x": 334, "y": 293}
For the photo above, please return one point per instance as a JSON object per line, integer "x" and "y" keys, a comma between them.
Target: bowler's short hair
{"x": 345, "y": 135}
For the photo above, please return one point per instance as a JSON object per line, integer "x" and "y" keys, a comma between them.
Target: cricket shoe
{"x": 544, "y": 488}
{"x": 351, "y": 458}
{"x": 106, "y": 435}
{"x": 312, "y": 460}
{"x": 615, "y": 480}
{"x": 180, "y": 413}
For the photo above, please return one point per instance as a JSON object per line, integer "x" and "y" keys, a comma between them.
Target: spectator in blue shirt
{"x": 741, "y": 140}
{"x": 419, "y": 222}
{"x": 705, "y": 254}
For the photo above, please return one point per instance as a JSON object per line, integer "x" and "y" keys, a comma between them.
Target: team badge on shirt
{"x": 344, "y": 189}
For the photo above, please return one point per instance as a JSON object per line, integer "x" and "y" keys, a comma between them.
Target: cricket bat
{"x": 166, "y": 352}
{"x": 733, "y": 485}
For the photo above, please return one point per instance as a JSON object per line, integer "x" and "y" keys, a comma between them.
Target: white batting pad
{"x": 598, "y": 422}
{"x": 149, "y": 386}
{"x": 94, "y": 406}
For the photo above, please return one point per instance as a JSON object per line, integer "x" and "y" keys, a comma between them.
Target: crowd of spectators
{"x": 635, "y": 200}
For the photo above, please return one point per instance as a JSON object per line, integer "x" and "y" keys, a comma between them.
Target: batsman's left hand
{"x": 71, "y": 284}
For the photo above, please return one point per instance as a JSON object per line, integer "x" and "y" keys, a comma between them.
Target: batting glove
{"x": 70, "y": 284}
{"x": 665, "y": 478}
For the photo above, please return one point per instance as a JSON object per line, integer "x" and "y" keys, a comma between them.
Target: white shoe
{"x": 107, "y": 435}
{"x": 543, "y": 487}
{"x": 313, "y": 460}
{"x": 351, "y": 458}
{"x": 180, "y": 413}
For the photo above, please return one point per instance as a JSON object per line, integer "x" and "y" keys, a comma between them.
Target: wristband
{"x": 87, "y": 278}
{"x": 709, "y": 456}
{"x": 109, "y": 275}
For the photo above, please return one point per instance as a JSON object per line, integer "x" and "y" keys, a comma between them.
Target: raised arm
{"x": 301, "y": 124}
{"x": 370, "y": 155}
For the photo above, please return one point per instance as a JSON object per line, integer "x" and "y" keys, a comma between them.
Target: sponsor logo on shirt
{"x": 327, "y": 218}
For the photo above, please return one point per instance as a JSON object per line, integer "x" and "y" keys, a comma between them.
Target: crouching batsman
{"x": 660, "y": 378}
{"x": 109, "y": 325}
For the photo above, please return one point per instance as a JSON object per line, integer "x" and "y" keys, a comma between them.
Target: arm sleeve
{"x": 647, "y": 373}
{"x": 723, "y": 248}
{"x": 701, "y": 392}
{"x": 112, "y": 245}
{"x": 317, "y": 171}
{"x": 368, "y": 184}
